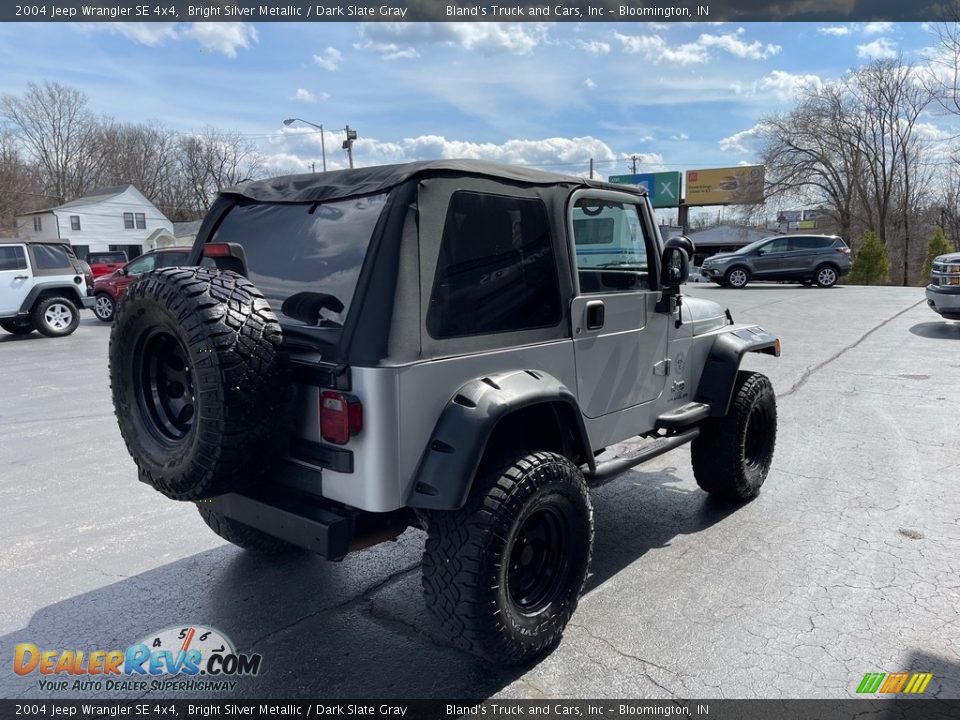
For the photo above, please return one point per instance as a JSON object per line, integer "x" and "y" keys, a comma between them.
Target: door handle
{"x": 21, "y": 277}
{"x": 595, "y": 314}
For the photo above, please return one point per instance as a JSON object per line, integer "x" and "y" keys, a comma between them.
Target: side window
{"x": 777, "y": 246}
{"x": 51, "y": 257}
{"x": 496, "y": 271}
{"x": 612, "y": 248}
{"x": 75, "y": 223}
{"x": 142, "y": 265}
{"x": 12, "y": 257}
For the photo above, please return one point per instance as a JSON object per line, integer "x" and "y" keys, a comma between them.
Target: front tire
{"x": 732, "y": 455}
{"x": 503, "y": 575}
{"x": 736, "y": 278}
{"x": 104, "y": 307}
{"x": 827, "y": 276}
{"x": 244, "y": 536}
{"x": 55, "y": 317}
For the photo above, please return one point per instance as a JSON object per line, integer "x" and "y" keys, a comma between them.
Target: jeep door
{"x": 619, "y": 338}
{"x": 14, "y": 278}
{"x": 768, "y": 260}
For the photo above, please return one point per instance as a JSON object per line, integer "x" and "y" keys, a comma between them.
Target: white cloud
{"x": 680, "y": 137}
{"x": 779, "y": 84}
{"x": 877, "y": 28}
{"x": 329, "y": 59}
{"x": 226, "y": 37}
{"x": 655, "y": 49}
{"x": 388, "y": 51}
{"x": 487, "y": 38}
{"x": 223, "y": 37}
{"x": 879, "y": 49}
{"x": 741, "y": 141}
{"x": 589, "y": 84}
{"x": 305, "y": 96}
{"x": 594, "y": 47}
{"x": 835, "y": 30}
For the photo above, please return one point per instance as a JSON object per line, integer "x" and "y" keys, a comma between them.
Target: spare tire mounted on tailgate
{"x": 197, "y": 380}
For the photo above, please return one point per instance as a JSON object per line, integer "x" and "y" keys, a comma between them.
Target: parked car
{"x": 109, "y": 289}
{"x": 445, "y": 345}
{"x": 943, "y": 292}
{"x": 104, "y": 263}
{"x": 820, "y": 259}
{"x": 42, "y": 287}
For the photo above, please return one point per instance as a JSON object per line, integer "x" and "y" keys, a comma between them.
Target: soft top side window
{"x": 612, "y": 246}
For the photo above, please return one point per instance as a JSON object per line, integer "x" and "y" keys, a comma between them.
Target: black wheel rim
{"x": 538, "y": 560}
{"x": 756, "y": 445}
{"x": 165, "y": 385}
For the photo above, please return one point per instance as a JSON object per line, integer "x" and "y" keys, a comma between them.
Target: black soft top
{"x": 340, "y": 184}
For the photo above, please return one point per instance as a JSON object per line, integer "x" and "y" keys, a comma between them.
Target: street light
{"x": 323, "y": 149}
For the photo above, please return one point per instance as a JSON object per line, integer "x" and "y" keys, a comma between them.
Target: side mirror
{"x": 761, "y": 252}
{"x": 675, "y": 268}
{"x": 122, "y": 271}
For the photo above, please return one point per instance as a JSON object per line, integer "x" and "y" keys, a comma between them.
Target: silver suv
{"x": 820, "y": 259}
{"x": 42, "y": 287}
{"x": 943, "y": 292}
{"x": 445, "y": 345}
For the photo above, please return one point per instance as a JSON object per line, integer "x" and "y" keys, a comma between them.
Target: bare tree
{"x": 57, "y": 131}
{"x": 20, "y": 189}
{"x": 213, "y": 160}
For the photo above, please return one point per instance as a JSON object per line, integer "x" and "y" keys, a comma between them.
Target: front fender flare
{"x": 449, "y": 462}
{"x": 720, "y": 371}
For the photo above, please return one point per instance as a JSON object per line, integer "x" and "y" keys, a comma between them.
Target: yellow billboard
{"x": 725, "y": 186}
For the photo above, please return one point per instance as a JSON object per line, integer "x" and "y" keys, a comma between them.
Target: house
{"x": 114, "y": 218}
{"x": 723, "y": 238}
{"x": 186, "y": 232}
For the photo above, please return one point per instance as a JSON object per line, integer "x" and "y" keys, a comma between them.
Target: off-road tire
{"x": 55, "y": 316}
{"x": 199, "y": 387}
{"x": 15, "y": 328}
{"x": 826, "y": 276}
{"x": 732, "y": 455}
{"x": 105, "y": 307}
{"x": 244, "y": 536}
{"x": 472, "y": 578}
{"x": 732, "y": 280}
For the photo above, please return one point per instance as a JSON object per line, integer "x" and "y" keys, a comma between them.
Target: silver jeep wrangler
{"x": 446, "y": 345}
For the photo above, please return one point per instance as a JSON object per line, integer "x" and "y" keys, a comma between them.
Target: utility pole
{"x": 634, "y": 159}
{"x": 348, "y": 143}
{"x": 591, "y": 168}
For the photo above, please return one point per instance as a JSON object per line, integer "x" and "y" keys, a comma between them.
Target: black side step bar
{"x": 608, "y": 470}
{"x": 683, "y": 416}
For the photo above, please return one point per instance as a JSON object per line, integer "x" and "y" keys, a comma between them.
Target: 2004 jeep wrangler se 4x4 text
{"x": 447, "y": 345}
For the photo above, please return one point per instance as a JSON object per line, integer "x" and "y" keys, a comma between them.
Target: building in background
{"x": 723, "y": 238}
{"x": 114, "y": 218}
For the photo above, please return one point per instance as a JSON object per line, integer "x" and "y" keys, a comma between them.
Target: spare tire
{"x": 198, "y": 382}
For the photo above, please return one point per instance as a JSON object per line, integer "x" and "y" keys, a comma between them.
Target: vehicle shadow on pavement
{"x": 945, "y": 682}
{"x": 941, "y": 330}
{"x": 354, "y": 629}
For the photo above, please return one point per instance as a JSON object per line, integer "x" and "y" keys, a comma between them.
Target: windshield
{"x": 305, "y": 258}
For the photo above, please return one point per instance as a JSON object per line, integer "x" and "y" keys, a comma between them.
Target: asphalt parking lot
{"x": 847, "y": 563}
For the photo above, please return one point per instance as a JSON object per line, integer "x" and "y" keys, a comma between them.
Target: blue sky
{"x": 681, "y": 96}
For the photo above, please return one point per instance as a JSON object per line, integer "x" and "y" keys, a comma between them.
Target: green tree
{"x": 938, "y": 245}
{"x": 870, "y": 266}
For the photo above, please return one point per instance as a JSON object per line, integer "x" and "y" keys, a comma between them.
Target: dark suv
{"x": 820, "y": 259}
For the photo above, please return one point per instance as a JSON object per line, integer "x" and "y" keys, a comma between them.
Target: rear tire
{"x": 15, "y": 328}
{"x": 503, "y": 575}
{"x": 737, "y": 278}
{"x": 55, "y": 316}
{"x": 732, "y": 455}
{"x": 827, "y": 276}
{"x": 198, "y": 387}
{"x": 244, "y": 536}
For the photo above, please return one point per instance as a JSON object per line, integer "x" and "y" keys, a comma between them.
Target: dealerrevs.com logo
{"x": 183, "y": 658}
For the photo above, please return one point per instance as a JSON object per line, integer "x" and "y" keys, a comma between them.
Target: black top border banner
{"x": 459, "y": 10}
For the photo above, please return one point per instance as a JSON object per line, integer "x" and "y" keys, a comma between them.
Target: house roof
{"x": 183, "y": 229}
{"x": 340, "y": 184}
{"x": 92, "y": 198}
{"x": 727, "y": 235}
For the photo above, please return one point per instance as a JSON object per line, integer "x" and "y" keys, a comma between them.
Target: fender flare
{"x": 447, "y": 468}
{"x": 723, "y": 362}
{"x": 69, "y": 290}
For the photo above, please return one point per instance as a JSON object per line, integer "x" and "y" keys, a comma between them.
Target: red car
{"x": 109, "y": 289}
{"x": 104, "y": 263}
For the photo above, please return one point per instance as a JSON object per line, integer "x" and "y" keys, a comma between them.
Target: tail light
{"x": 216, "y": 250}
{"x": 845, "y": 250}
{"x": 341, "y": 416}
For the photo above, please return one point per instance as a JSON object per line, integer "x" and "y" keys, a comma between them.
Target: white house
{"x": 115, "y": 218}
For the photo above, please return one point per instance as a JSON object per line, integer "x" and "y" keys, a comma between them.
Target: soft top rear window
{"x": 305, "y": 258}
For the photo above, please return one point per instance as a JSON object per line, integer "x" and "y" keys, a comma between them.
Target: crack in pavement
{"x": 819, "y": 366}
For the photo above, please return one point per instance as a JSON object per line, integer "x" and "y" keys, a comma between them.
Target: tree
{"x": 870, "y": 266}
{"x": 213, "y": 160}
{"x": 938, "y": 245}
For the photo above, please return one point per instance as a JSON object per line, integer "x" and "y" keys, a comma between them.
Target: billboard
{"x": 662, "y": 187}
{"x": 725, "y": 186}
